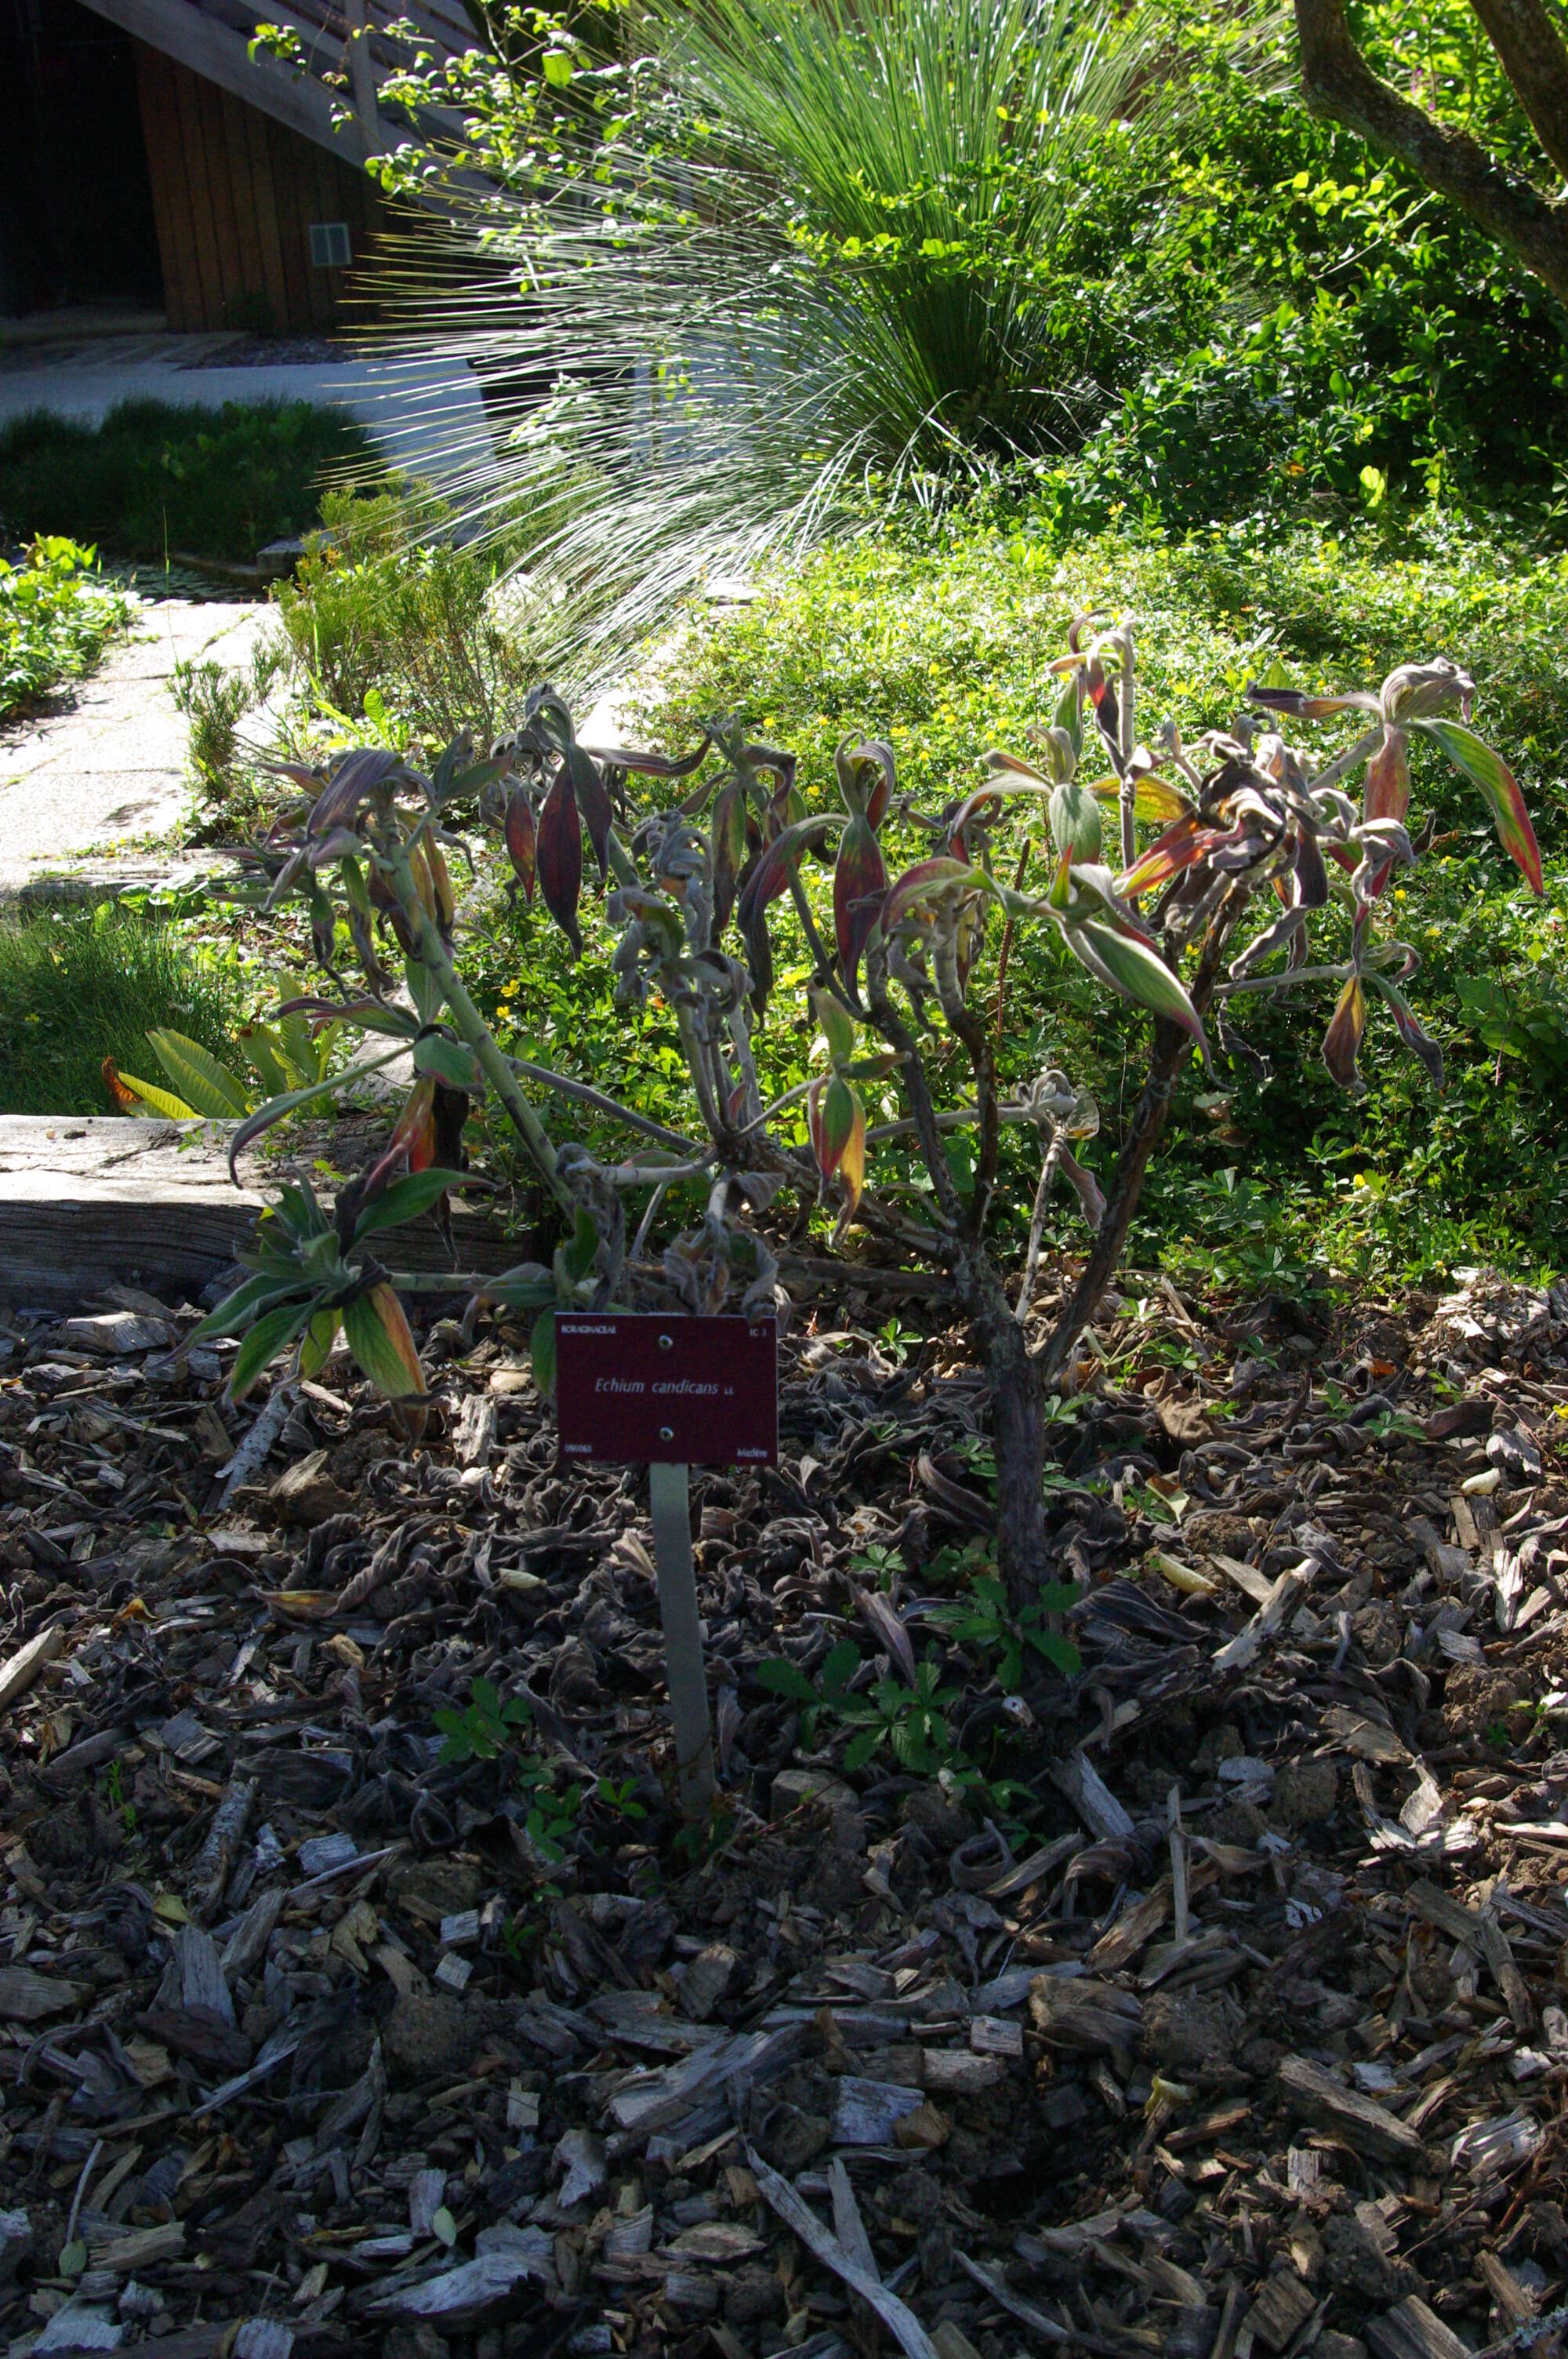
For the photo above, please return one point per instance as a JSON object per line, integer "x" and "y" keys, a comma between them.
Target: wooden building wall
{"x": 235, "y": 194}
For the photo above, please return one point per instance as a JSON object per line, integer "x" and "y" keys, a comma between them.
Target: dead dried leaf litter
{"x": 1256, "y": 2043}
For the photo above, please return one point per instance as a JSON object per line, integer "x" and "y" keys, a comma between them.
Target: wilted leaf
{"x": 1299, "y": 706}
{"x": 1386, "y": 793}
{"x": 1178, "y": 848}
{"x": 1419, "y": 1041}
{"x": 123, "y": 1100}
{"x": 926, "y": 881}
{"x": 1342, "y": 1042}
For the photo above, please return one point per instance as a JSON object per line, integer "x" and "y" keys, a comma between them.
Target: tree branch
{"x": 1337, "y": 83}
{"x": 1171, "y": 1046}
{"x": 1531, "y": 53}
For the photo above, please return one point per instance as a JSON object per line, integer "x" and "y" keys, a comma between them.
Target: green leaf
{"x": 557, "y": 68}
{"x": 275, "y": 1108}
{"x": 269, "y": 1336}
{"x": 859, "y": 1749}
{"x": 1076, "y": 820}
{"x": 199, "y": 1077}
{"x": 1139, "y": 972}
{"x": 405, "y": 1199}
{"x": 376, "y": 1331}
{"x": 840, "y": 1667}
{"x": 319, "y": 1338}
{"x": 542, "y": 1352}
{"x": 528, "y": 1286}
{"x": 1056, "y": 1596}
{"x": 487, "y": 1695}
{"x": 449, "y": 1061}
{"x": 235, "y": 1311}
{"x": 579, "y": 1257}
{"x": 162, "y": 1102}
{"x": 1059, "y": 1651}
{"x": 1484, "y": 768}
{"x": 784, "y": 1678}
{"x": 423, "y": 989}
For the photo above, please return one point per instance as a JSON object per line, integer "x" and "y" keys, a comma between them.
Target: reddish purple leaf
{"x": 593, "y": 801}
{"x": 729, "y": 838}
{"x": 521, "y": 847}
{"x": 920, "y": 885}
{"x": 859, "y": 888}
{"x": 558, "y": 852}
{"x": 1342, "y": 1042}
{"x": 1387, "y": 794}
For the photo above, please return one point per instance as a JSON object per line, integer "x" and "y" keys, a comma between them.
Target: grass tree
{"x": 762, "y": 253}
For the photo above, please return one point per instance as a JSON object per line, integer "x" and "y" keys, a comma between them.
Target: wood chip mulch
{"x": 1254, "y": 2042}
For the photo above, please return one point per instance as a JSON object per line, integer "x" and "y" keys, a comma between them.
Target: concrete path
{"x": 427, "y": 416}
{"x": 110, "y": 761}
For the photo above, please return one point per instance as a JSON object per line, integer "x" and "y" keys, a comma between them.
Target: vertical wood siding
{"x": 235, "y": 194}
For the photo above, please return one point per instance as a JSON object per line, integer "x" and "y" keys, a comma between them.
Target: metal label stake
{"x": 676, "y": 1391}
{"x": 669, "y": 1491}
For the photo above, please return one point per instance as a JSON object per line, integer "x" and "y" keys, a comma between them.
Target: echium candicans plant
{"x": 1258, "y": 847}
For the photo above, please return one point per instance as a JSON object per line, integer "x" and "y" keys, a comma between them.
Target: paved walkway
{"x": 110, "y": 761}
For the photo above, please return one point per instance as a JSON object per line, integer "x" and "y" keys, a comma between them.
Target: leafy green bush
{"x": 56, "y": 618}
{"x": 77, "y": 987}
{"x": 215, "y": 699}
{"x": 384, "y": 605}
{"x": 946, "y": 635}
{"x": 1312, "y": 327}
{"x": 155, "y": 479}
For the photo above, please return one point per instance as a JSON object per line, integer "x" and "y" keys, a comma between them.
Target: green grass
{"x": 941, "y": 642}
{"x": 153, "y": 480}
{"x": 79, "y": 987}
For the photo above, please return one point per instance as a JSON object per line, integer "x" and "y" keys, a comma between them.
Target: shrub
{"x": 893, "y": 982}
{"x": 945, "y": 634}
{"x": 57, "y": 614}
{"x": 384, "y": 605}
{"x": 215, "y": 700}
{"x": 156, "y": 479}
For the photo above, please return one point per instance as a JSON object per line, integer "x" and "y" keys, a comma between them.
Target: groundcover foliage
{"x": 946, "y": 635}
{"x": 55, "y": 616}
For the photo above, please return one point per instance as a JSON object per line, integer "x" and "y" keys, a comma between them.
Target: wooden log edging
{"x": 103, "y": 1199}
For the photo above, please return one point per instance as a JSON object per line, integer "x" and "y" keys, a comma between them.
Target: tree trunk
{"x": 1017, "y": 1424}
{"x": 1337, "y": 82}
{"x": 1149, "y": 1114}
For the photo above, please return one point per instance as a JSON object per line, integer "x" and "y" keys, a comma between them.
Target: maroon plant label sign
{"x": 685, "y": 1390}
